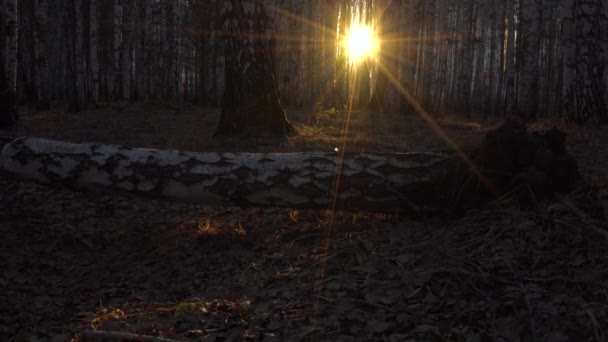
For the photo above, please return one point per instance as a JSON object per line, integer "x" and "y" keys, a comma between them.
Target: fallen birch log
{"x": 367, "y": 181}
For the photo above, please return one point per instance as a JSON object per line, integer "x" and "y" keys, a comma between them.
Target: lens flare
{"x": 360, "y": 43}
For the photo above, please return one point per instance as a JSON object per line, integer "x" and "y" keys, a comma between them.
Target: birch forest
{"x": 479, "y": 58}
{"x": 303, "y": 170}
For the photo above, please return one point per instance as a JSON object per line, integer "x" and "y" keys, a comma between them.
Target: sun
{"x": 360, "y": 43}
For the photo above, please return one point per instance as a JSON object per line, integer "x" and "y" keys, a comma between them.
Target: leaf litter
{"x": 78, "y": 263}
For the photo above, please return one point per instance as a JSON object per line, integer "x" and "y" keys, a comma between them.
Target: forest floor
{"x": 88, "y": 267}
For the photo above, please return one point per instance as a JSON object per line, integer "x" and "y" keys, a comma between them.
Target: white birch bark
{"x": 93, "y": 48}
{"x": 116, "y": 46}
{"x": 79, "y": 56}
{"x": 40, "y": 47}
{"x": 11, "y": 13}
{"x": 147, "y": 60}
{"x": 178, "y": 80}
{"x": 126, "y": 30}
{"x": 528, "y": 63}
{"x": 251, "y": 99}
{"x": 368, "y": 181}
{"x": 585, "y": 63}
{"x": 509, "y": 51}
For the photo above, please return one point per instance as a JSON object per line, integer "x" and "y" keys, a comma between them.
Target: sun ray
{"x": 334, "y": 195}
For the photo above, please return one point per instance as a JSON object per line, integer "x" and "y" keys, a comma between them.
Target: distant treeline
{"x": 474, "y": 57}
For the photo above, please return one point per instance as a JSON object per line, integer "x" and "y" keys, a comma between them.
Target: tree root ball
{"x": 511, "y": 161}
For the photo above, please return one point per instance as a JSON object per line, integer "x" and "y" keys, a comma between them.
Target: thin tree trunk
{"x": 498, "y": 92}
{"x": 584, "y": 82}
{"x": 125, "y": 50}
{"x": 26, "y": 84}
{"x": 8, "y": 72}
{"x": 41, "y": 54}
{"x": 12, "y": 22}
{"x": 93, "y": 51}
{"x": 489, "y": 87}
{"x": 116, "y": 48}
{"x": 509, "y": 82}
{"x": 387, "y": 55}
{"x": 71, "y": 34}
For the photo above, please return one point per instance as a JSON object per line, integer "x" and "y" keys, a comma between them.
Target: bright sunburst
{"x": 360, "y": 43}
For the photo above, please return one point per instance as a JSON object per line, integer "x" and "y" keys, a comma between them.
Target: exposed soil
{"x": 77, "y": 266}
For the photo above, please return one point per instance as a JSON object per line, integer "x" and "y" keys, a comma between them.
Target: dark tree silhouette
{"x": 585, "y": 62}
{"x": 8, "y": 112}
{"x": 388, "y": 64}
{"x": 9, "y": 33}
{"x": 251, "y": 101}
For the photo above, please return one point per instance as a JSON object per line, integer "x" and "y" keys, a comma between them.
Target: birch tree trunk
{"x": 584, "y": 88}
{"x": 178, "y": 92}
{"x": 9, "y": 41}
{"x": 329, "y": 45}
{"x": 26, "y": 85}
{"x": 77, "y": 93}
{"x": 387, "y": 58}
{"x": 489, "y": 86}
{"x": 142, "y": 66}
{"x": 93, "y": 49}
{"x": 8, "y": 110}
{"x": 251, "y": 100}
{"x": 510, "y": 66}
{"x": 125, "y": 50}
{"x": 116, "y": 49}
{"x": 528, "y": 65}
{"x": 41, "y": 54}
{"x": 502, "y": 60}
